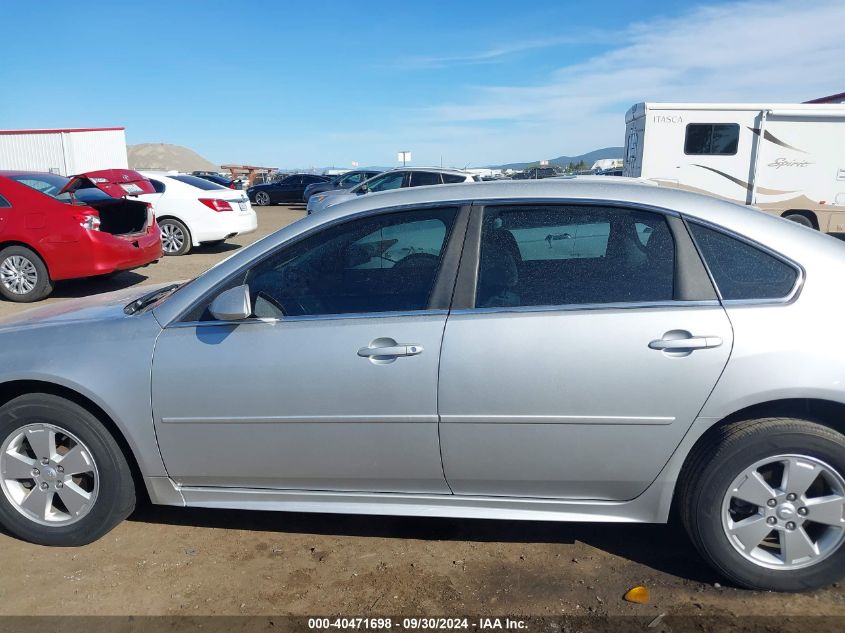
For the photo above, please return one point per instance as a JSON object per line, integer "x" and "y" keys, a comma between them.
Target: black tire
{"x": 711, "y": 470}
{"x": 799, "y": 218}
{"x": 115, "y": 498}
{"x": 177, "y": 228}
{"x": 262, "y": 198}
{"x": 43, "y": 284}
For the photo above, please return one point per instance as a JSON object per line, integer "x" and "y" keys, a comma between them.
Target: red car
{"x": 53, "y": 227}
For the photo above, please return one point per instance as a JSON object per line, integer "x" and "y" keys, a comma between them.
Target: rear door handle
{"x": 693, "y": 342}
{"x": 391, "y": 350}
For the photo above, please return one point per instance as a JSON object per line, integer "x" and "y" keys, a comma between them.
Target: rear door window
{"x": 423, "y": 178}
{"x": 569, "y": 255}
{"x": 742, "y": 271}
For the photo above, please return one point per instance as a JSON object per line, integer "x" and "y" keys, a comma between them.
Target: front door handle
{"x": 692, "y": 342}
{"x": 390, "y": 351}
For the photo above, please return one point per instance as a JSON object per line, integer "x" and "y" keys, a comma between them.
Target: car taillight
{"x": 231, "y": 185}
{"x": 216, "y": 205}
{"x": 88, "y": 221}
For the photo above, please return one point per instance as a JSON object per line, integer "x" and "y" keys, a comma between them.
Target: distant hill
{"x": 164, "y": 156}
{"x": 589, "y": 158}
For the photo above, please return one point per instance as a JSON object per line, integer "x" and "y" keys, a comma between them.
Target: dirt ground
{"x": 166, "y": 561}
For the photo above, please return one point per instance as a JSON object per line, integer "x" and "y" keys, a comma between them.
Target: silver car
{"x": 560, "y": 350}
{"x": 399, "y": 178}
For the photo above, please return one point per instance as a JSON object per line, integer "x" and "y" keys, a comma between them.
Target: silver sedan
{"x": 581, "y": 350}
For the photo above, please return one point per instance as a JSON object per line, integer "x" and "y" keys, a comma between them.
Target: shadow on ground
{"x": 76, "y": 288}
{"x": 664, "y": 548}
{"x": 209, "y": 249}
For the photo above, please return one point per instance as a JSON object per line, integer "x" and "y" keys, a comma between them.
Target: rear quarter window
{"x": 742, "y": 271}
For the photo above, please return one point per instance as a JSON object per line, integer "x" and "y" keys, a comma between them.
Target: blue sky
{"x": 289, "y": 84}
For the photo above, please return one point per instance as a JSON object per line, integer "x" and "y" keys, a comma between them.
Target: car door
{"x": 286, "y": 189}
{"x": 582, "y": 344}
{"x": 332, "y": 385}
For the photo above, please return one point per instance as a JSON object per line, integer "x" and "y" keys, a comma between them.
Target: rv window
{"x": 741, "y": 271}
{"x": 711, "y": 138}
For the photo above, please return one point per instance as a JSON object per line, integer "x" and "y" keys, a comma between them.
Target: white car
{"x": 398, "y": 178}
{"x": 193, "y": 211}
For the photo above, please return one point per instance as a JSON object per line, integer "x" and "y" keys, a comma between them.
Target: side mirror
{"x": 232, "y": 304}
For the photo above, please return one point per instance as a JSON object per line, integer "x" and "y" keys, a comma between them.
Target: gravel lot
{"x": 201, "y": 562}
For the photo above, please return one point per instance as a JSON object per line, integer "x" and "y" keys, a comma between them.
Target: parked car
{"x": 288, "y": 189}
{"x": 393, "y": 179}
{"x": 192, "y": 211}
{"x": 343, "y": 181}
{"x": 54, "y": 228}
{"x": 610, "y": 172}
{"x": 556, "y": 350}
{"x": 217, "y": 179}
{"x": 535, "y": 173}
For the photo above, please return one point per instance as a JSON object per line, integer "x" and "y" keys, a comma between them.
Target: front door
{"x": 584, "y": 358}
{"x": 332, "y": 385}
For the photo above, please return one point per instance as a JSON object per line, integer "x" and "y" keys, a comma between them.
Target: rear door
{"x": 582, "y": 344}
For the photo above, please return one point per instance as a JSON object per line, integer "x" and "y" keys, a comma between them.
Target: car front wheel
{"x": 63, "y": 479}
{"x": 764, "y": 502}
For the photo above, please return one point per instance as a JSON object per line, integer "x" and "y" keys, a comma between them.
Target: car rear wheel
{"x": 175, "y": 237}
{"x": 23, "y": 275}
{"x": 63, "y": 479}
{"x": 262, "y": 198}
{"x": 764, "y": 502}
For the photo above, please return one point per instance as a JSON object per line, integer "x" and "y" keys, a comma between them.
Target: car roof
{"x": 441, "y": 170}
{"x": 749, "y": 221}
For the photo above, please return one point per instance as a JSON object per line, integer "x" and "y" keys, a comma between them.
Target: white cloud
{"x": 497, "y": 53}
{"x": 786, "y": 51}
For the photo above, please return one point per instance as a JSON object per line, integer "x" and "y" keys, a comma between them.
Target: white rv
{"x": 787, "y": 159}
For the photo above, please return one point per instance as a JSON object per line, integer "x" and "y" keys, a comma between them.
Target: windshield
{"x": 49, "y": 184}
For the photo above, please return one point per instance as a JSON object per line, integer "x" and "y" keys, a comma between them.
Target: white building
{"x": 63, "y": 151}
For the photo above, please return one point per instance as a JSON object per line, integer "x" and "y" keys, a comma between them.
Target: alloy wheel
{"x": 172, "y": 238}
{"x": 18, "y": 274}
{"x": 48, "y": 475}
{"x": 262, "y": 198}
{"x": 785, "y": 512}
